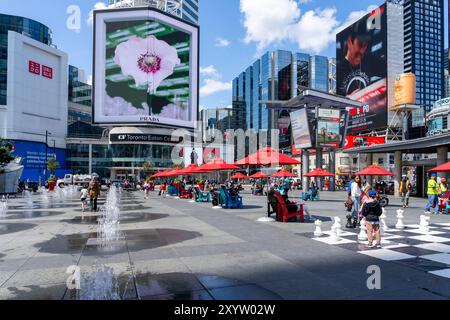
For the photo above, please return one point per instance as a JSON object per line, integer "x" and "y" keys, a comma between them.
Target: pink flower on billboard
{"x": 148, "y": 60}
{"x": 172, "y": 111}
{"x": 119, "y": 107}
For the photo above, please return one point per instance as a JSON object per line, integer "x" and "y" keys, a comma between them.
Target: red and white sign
{"x": 47, "y": 72}
{"x": 361, "y": 141}
{"x": 34, "y": 67}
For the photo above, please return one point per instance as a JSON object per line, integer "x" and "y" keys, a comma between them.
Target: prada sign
{"x": 140, "y": 137}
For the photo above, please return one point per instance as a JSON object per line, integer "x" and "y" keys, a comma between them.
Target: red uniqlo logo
{"x": 47, "y": 72}
{"x": 34, "y": 67}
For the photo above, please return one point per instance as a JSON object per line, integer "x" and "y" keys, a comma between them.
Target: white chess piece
{"x": 384, "y": 227}
{"x": 318, "y": 232}
{"x": 334, "y": 234}
{"x": 424, "y": 224}
{"x": 363, "y": 232}
{"x": 400, "y": 225}
{"x": 337, "y": 225}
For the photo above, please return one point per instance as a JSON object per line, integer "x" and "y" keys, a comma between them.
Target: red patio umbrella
{"x": 259, "y": 175}
{"x": 319, "y": 173}
{"x": 218, "y": 164}
{"x": 267, "y": 157}
{"x": 375, "y": 171}
{"x": 170, "y": 173}
{"x": 239, "y": 176}
{"x": 442, "y": 168}
{"x": 160, "y": 174}
{"x": 284, "y": 174}
{"x": 191, "y": 169}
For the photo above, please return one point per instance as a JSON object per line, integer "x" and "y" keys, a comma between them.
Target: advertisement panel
{"x": 284, "y": 123}
{"x": 328, "y": 128}
{"x": 362, "y": 69}
{"x": 361, "y": 141}
{"x": 300, "y": 129}
{"x": 146, "y": 68}
{"x": 405, "y": 89}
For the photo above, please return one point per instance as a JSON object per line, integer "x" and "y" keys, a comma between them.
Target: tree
{"x": 52, "y": 165}
{"x": 6, "y": 148}
{"x": 147, "y": 165}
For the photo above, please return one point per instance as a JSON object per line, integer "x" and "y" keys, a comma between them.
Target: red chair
{"x": 288, "y": 211}
{"x": 185, "y": 194}
{"x": 443, "y": 199}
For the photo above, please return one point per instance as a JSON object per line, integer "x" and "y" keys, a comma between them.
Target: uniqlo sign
{"x": 34, "y": 67}
{"x": 47, "y": 72}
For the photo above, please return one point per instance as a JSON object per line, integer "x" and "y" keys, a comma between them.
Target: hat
{"x": 434, "y": 174}
{"x": 372, "y": 193}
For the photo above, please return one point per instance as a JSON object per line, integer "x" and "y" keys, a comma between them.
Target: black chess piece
{"x": 349, "y": 222}
{"x": 355, "y": 222}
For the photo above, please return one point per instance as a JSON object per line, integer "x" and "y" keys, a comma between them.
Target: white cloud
{"x": 209, "y": 71}
{"x": 269, "y": 22}
{"x": 315, "y": 30}
{"x": 211, "y": 86}
{"x": 97, "y": 6}
{"x": 89, "y": 80}
{"x": 220, "y": 42}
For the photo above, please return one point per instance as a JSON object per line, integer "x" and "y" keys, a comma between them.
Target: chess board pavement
{"x": 429, "y": 252}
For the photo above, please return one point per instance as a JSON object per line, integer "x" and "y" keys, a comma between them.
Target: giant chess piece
{"x": 355, "y": 222}
{"x": 400, "y": 225}
{"x": 349, "y": 224}
{"x": 424, "y": 224}
{"x": 334, "y": 234}
{"x": 337, "y": 225}
{"x": 318, "y": 232}
{"x": 363, "y": 231}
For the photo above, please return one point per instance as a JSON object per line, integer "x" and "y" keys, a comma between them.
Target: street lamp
{"x": 47, "y": 133}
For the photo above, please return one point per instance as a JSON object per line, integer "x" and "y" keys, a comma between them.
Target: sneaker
{"x": 427, "y": 212}
{"x": 370, "y": 245}
{"x": 378, "y": 246}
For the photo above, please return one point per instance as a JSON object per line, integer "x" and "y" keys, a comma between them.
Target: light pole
{"x": 47, "y": 133}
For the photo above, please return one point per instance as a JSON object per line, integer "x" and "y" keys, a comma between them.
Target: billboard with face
{"x": 362, "y": 69}
{"x": 145, "y": 69}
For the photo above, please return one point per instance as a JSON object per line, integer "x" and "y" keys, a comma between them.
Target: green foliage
{"x": 6, "y": 148}
{"x": 52, "y": 165}
{"x": 147, "y": 165}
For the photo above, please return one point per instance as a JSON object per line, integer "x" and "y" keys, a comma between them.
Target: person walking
{"x": 405, "y": 191}
{"x": 355, "y": 194}
{"x": 372, "y": 211}
{"x": 432, "y": 192}
{"x": 94, "y": 193}
{"x": 146, "y": 188}
{"x": 83, "y": 198}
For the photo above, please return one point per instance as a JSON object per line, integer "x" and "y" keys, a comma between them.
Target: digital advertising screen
{"x": 300, "y": 129}
{"x": 145, "y": 68}
{"x": 361, "y": 53}
{"x": 328, "y": 128}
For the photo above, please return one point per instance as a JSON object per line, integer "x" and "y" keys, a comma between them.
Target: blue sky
{"x": 233, "y": 33}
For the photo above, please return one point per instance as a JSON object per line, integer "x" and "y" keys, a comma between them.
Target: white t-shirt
{"x": 84, "y": 194}
{"x": 356, "y": 190}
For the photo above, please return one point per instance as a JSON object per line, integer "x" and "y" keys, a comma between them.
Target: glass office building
{"x": 278, "y": 76}
{"x": 424, "y": 53}
{"x": 28, "y": 27}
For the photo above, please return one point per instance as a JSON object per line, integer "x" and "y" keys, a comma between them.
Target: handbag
{"x": 348, "y": 204}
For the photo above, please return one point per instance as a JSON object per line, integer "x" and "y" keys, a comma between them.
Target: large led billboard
{"x": 145, "y": 68}
{"x": 362, "y": 70}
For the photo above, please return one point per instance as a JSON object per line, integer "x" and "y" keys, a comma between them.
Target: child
{"x": 146, "y": 190}
{"x": 84, "y": 196}
{"x": 163, "y": 189}
{"x": 372, "y": 211}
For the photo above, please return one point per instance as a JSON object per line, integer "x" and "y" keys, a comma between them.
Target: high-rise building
{"x": 185, "y": 9}
{"x": 277, "y": 76}
{"x": 424, "y": 54}
{"x": 25, "y": 26}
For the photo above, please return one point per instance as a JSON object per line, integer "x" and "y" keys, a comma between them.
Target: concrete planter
{"x": 9, "y": 178}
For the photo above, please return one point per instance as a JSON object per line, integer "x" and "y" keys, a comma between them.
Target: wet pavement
{"x": 171, "y": 249}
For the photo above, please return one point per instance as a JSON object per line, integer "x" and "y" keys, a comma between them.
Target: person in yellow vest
{"x": 405, "y": 190}
{"x": 443, "y": 186}
{"x": 433, "y": 195}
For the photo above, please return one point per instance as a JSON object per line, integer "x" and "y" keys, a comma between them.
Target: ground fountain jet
{"x": 29, "y": 199}
{"x": 3, "y": 207}
{"x": 100, "y": 285}
{"x": 108, "y": 230}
